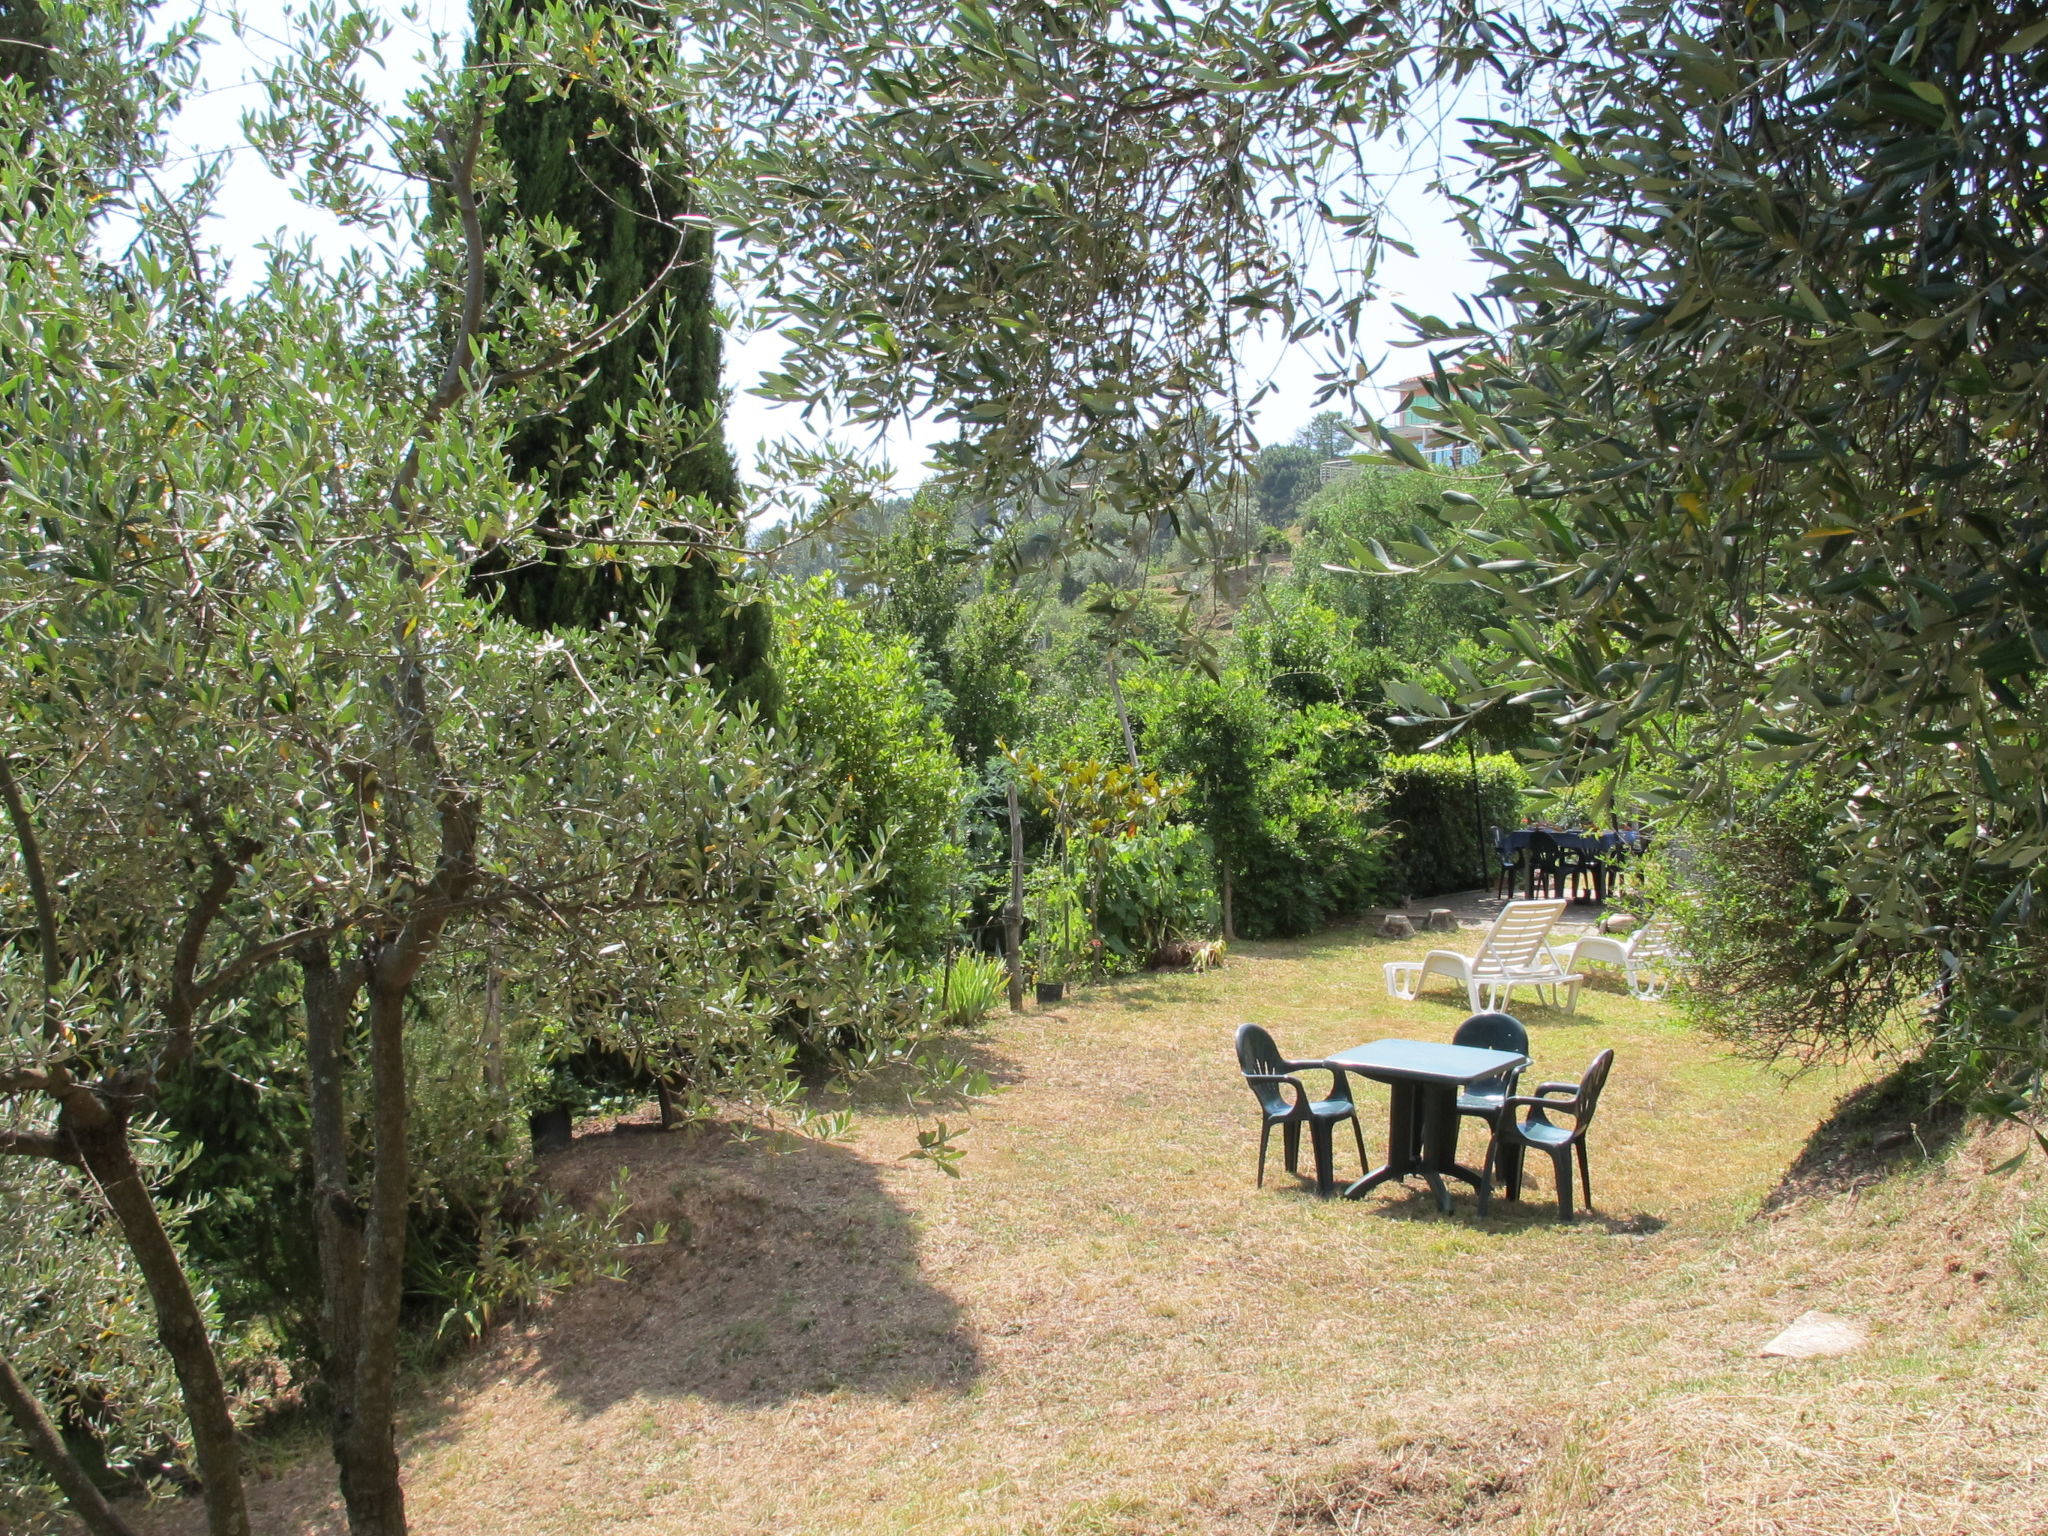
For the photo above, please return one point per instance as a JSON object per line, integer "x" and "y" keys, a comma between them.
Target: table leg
{"x": 1440, "y": 1139}
{"x": 1423, "y": 1115}
{"x": 1402, "y": 1117}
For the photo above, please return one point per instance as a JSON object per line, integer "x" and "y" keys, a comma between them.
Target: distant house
{"x": 1411, "y": 399}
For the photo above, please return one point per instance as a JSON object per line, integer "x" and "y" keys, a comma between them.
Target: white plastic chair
{"x": 1648, "y": 957}
{"x": 1513, "y": 954}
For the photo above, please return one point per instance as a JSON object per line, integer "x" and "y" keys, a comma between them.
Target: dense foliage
{"x": 1441, "y": 811}
{"x": 1771, "y": 387}
{"x": 1284, "y": 795}
{"x": 863, "y": 700}
{"x": 1750, "y": 877}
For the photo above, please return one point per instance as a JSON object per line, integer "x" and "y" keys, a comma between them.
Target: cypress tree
{"x": 624, "y": 206}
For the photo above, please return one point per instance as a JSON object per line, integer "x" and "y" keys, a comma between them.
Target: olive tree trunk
{"x": 49, "y": 1449}
{"x": 365, "y": 1442}
{"x": 330, "y": 993}
{"x": 104, "y": 1151}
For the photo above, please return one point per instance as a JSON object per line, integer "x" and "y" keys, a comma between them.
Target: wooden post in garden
{"x": 1123, "y": 715}
{"x": 1013, "y": 915}
{"x": 1478, "y": 811}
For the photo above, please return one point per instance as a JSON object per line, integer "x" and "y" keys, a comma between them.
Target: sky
{"x": 256, "y": 208}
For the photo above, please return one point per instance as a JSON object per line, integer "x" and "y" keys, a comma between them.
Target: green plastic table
{"x": 1425, "y": 1079}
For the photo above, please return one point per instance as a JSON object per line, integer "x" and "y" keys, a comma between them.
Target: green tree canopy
{"x": 1771, "y": 386}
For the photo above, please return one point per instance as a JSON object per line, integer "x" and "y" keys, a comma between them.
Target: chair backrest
{"x": 1256, "y": 1053}
{"x": 1542, "y": 848}
{"x": 1493, "y": 1032}
{"x": 1517, "y": 935}
{"x": 1590, "y": 1086}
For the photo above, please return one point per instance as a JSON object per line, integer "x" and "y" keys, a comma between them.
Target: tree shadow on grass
{"x": 1900, "y": 1119}
{"x": 788, "y": 1272}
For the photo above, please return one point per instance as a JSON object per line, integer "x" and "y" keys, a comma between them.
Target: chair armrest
{"x": 1340, "y": 1086}
{"x": 1555, "y": 1106}
{"x": 1569, "y": 1089}
{"x": 1300, "y": 1088}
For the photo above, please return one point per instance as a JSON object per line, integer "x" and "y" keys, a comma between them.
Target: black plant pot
{"x": 1051, "y": 991}
{"x": 553, "y": 1129}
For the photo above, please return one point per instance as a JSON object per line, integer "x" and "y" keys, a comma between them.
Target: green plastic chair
{"x": 1483, "y": 1100}
{"x": 1512, "y": 1137}
{"x": 1486, "y": 1099}
{"x": 1271, "y": 1076}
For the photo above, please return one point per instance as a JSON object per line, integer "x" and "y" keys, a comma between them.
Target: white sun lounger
{"x": 1647, "y": 957}
{"x": 1513, "y": 954}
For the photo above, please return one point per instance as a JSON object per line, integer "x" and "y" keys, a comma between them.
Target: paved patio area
{"x": 1478, "y": 908}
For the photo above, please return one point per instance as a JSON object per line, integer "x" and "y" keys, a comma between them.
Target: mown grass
{"x": 1105, "y": 1328}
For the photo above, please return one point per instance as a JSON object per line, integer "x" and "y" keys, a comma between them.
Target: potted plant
{"x": 1051, "y": 978}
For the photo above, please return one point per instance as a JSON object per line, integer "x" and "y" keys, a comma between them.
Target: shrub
{"x": 1286, "y": 797}
{"x": 967, "y": 987}
{"x": 1440, "y": 825}
{"x": 1306, "y": 652}
{"x": 987, "y": 652}
{"x": 1749, "y": 878}
{"x": 1158, "y": 887}
{"x": 1055, "y": 921}
{"x": 79, "y": 1333}
{"x": 863, "y": 699}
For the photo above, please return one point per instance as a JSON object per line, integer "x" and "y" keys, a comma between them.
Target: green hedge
{"x": 1428, "y": 809}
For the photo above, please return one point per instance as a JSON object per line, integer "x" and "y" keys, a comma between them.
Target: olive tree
{"x": 251, "y": 713}
{"x": 1763, "y": 364}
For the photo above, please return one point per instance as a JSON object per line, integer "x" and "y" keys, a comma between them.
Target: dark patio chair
{"x": 1512, "y": 1137}
{"x": 1484, "y": 1099}
{"x": 1491, "y": 1032}
{"x": 1544, "y": 864}
{"x": 1272, "y": 1076}
{"x": 1578, "y": 868}
{"x": 1507, "y": 865}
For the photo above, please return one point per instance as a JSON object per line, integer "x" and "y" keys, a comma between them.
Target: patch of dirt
{"x": 1900, "y": 1118}
{"x": 789, "y": 1271}
{"x": 1426, "y": 1484}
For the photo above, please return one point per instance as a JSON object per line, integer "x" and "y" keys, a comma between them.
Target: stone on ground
{"x": 1397, "y": 926}
{"x": 1812, "y": 1335}
{"x": 1442, "y": 920}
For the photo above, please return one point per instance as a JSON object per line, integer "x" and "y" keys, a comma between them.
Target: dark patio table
{"x": 1425, "y": 1079}
{"x": 1599, "y": 849}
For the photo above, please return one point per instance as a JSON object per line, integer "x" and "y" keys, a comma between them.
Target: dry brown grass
{"x": 1105, "y": 1328}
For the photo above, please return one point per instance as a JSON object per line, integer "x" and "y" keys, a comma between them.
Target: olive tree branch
{"x": 39, "y": 891}
{"x": 34, "y": 1144}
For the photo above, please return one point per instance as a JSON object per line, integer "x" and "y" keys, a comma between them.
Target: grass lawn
{"x": 1104, "y": 1327}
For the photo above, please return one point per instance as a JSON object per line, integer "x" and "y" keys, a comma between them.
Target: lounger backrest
{"x": 1516, "y": 938}
{"x": 1655, "y": 940}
